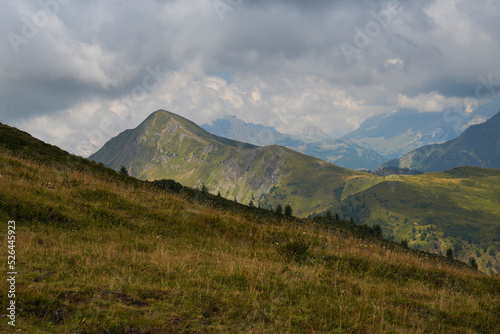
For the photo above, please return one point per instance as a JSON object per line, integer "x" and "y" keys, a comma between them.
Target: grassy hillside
{"x": 102, "y": 253}
{"x": 167, "y": 146}
{"x": 457, "y": 209}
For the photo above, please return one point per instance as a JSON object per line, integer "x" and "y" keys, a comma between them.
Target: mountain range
{"x": 311, "y": 141}
{"x": 167, "y": 146}
{"x": 404, "y": 130}
{"x": 377, "y": 140}
{"x": 478, "y": 146}
{"x": 101, "y": 252}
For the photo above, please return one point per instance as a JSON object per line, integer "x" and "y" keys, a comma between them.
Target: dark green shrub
{"x": 169, "y": 185}
{"x": 295, "y": 250}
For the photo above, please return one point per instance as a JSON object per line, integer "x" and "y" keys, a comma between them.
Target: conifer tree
{"x": 449, "y": 254}
{"x": 473, "y": 263}
{"x": 377, "y": 231}
{"x": 123, "y": 171}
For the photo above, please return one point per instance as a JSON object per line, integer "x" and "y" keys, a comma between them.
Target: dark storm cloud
{"x": 91, "y": 50}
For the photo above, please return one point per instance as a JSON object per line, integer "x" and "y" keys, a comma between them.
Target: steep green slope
{"x": 99, "y": 252}
{"x": 457, "y": 209}
{"x": 478, "y": 146}
{"x": 168, "y": 146}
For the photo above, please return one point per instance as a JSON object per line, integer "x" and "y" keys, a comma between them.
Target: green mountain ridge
{"x": 167, "y": 146}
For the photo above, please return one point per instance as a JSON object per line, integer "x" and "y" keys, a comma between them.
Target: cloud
{"x": 273, "y": 62}
{"x": 432, "y": 102}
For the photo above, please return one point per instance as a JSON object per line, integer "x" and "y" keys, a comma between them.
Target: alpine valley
{"x": 457, "y": 209}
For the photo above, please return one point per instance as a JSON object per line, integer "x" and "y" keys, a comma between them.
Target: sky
{"x": 77, "y": 73}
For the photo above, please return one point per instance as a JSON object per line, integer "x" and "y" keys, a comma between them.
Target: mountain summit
{"x": 314, "y": 133}
{"x": 156, "y": 139}
{"x": 168, "y": 146}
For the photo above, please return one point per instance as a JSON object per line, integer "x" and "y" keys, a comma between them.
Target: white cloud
{"x": 394, "y": 63}
{"x": 432, "y": 102}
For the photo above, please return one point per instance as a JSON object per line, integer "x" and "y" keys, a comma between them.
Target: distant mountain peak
{"x": 403, "y": 130}
{"x": 478, "y": 146}
{"x": 313, "y": 141}
{"x": 314, "y": 132}
{"x": 168, "y": 146}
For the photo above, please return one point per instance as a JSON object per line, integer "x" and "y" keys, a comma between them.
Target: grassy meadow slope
{"x": 167, "y": 146}
{"x": 457, "y": 209}
{"x": 103, "y": 253}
